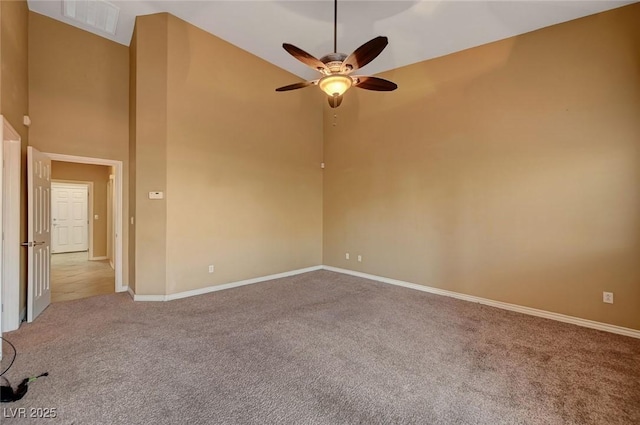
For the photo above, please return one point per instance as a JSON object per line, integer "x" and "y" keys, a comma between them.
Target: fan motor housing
{"x": 333, "y": 61}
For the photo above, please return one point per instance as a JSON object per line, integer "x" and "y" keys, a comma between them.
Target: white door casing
{"x": 110, "y": 220}
{"x": 2, "y": 296}
{"x": 10, "y": 227}
{"x": 38, "y": 232}
{"x": 69, "y": 215}
{"x": 11, "y": 311}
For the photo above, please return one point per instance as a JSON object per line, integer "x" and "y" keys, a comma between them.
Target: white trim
{"x": 130, "y": 291}
{"x": 2, "y": 226}
{"x": 110, "y": 220}
{"x": 485, "y": 301}
{"x": 137, "y": 297}
{"x": 10, "y": 257}
{"x": 118, "y": 207}
{"x": 498, "y": 304}
{"x": 11, "y": 228}
{"x": 104, "y": 257}
{"x": 214, "y": 288}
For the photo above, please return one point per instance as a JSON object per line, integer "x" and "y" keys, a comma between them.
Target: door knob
{"x": 30, "y": 244}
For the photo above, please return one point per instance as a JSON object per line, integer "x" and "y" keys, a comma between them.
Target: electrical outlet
{"x": 359, "y": 258}
{"x": 211, "y": 268}
{"x": 607, "y": 297}
{"x": 346, "y": 256}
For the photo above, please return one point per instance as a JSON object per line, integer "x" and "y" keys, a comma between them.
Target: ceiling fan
{"x": 336, "y": 67}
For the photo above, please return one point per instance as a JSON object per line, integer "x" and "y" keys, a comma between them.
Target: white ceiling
{"x": 417, "y": 29}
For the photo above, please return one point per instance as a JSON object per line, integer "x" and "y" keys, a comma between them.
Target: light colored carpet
{"x": 320, "y": 348}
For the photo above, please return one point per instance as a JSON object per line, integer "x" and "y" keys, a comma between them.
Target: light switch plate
{"x": 156, "y": 195}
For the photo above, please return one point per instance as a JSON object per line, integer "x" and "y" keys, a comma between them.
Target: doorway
{"x": 80, "y": 263}
{"x": 37, "y": 164}
{"x": 115, "y": 220}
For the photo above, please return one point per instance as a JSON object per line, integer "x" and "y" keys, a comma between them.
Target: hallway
{"x": 73, "y": 277}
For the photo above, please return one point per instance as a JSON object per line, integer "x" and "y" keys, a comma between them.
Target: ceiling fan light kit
{"x": 336, "y": 67}
{"x": 335, "y": 84}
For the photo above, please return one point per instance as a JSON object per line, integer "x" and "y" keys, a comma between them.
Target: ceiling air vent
{"x": 98, "y": 14}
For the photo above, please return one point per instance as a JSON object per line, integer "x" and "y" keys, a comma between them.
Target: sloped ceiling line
{"x": 417, "y": 29}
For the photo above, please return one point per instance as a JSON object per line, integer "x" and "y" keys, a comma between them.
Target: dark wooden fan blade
{"x": 305, "y": 57}
{"x": 364, "y": 54}
{"x": 297, "y": 86}
{"x": 335, "y": 101}
{"x": 375, "y": 83}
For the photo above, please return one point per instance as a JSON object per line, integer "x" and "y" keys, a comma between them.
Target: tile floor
{"x": 73, "y": 277}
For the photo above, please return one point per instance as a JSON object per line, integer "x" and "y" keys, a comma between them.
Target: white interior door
{"x": 38, "y": 232}
{"x": 69, "y": 216}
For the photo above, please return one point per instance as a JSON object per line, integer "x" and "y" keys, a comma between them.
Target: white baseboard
{"x": 98, "y": 258}
{"x": 137, "y": 297}
{"x": 498, "y": 304}
{"x": 208, "y": 289}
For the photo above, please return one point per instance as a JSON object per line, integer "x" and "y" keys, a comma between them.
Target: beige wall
{"x": 509, "y": 171}
{"x": 244, "y": 184}
{"x": 79, "y": 97}
{"x": 14, "y": 99}
{"x": 133, "y": 52}
{"x": 239, "y": 163}
{"x": 99, "y": 176}
{"x": 149, "y": 148}
{"x": 1, "y": 61}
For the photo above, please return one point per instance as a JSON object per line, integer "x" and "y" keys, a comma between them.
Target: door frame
{"x": 11, "y": 316}
{"x": 110, "y": 219}
{"x": 89, "y": 186}
{"x": 10, "y": 210}
{"x": 117, "y": 206}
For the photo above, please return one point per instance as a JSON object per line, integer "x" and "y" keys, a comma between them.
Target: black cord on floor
{"x": 15, "y": 353}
